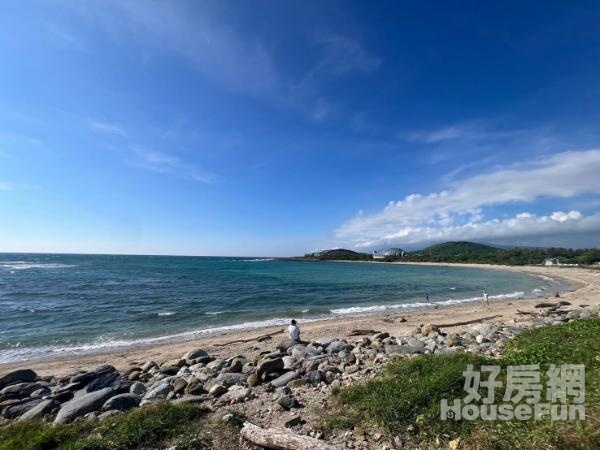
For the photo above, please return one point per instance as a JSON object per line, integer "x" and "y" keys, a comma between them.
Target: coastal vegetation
{"x": 152, "y": 427}
{"x": 338, "y": 254}
{"x": 405, "y": 400}
{"x": 471, "y": 252}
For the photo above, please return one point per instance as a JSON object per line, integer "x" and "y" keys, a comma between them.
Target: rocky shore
{"x": 286, "y": 385}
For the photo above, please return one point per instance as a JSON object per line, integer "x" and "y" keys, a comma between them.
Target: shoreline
{"x": 582, "y": 281}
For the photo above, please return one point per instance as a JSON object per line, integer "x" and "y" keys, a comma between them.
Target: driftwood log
{"x": 466, "y": 322}
{"x": 527, "y": 313}
{"x": 260, "y": 338}
{"x": 362, "y": 332}
{"x": 281, "y": 439}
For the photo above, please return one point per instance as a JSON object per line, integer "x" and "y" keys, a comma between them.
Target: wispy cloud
{"x": 5, "y": 186}
{"x": 106, "y": 127}
{"x": 340, "y": 55}
{"x": 457, "y": 212}
{"x": 160, "y": 162}
{"x": 199, "y": 35}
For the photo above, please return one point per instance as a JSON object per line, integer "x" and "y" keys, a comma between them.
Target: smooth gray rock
{"x": 284, "y": 379}
{"x": 326, "y": 341}
{"x": 108, "y": 379}
{"x": 229, "y": 379}
{"x": 158, "y": 391}
{"x": 137, "y": 388}
{"x": 122, "y": 402}
{"x": 404, "y": 349}
{"x": 338, "y": 346}
{"x": 314, "y": 377}
{"x": 235, "y": 394}
{"x": 41, "y": 409}
{"x": 86, "y": 377}
{"x": 40, "y": 392}
{"x": 269, "y": 366}
{"x": 14, "y": 411}
{"x": 196, "y": 353}
{"x": 82, "y": 405}
{"x": 17, "y": 376}
{"x": 287, "y": 401}
{"x": 21, "y": 390}
{"x": 107, "y": 414}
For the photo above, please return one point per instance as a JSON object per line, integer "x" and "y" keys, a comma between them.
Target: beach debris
{"x": 467, "y": 322}
{"x": 281, "y": 439}
{"x": 361, "y": 332}
{"x": 261, "y": 338}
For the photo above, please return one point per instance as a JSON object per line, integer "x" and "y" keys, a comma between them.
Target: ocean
{"x": 52, "y": 305}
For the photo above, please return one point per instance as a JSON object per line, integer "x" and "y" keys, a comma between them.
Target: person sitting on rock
{"x": 294, "y": 331}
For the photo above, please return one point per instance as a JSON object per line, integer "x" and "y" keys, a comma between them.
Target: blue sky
{"x": 276, "y": 128}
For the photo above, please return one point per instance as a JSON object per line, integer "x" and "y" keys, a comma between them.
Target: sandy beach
{"x": 585, "y": 291}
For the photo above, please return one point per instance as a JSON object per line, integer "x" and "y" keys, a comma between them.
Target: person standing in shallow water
{"x": 486, "y": 298}
{"x": 294, "y": 331}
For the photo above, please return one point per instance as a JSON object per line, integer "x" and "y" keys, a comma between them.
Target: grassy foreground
{"x": 405, "y": 400}
{"x": 143, "y": 428}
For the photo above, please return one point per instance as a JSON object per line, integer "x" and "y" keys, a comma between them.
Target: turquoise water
{"x": 66, "y": 304}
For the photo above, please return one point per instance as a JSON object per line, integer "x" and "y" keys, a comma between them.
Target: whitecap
{"x": 166, "y": 313}
{"x": 379, "y": 308}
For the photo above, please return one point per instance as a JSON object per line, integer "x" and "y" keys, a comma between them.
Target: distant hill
{"x": 459, "y": 249}
{"x": 471, "y": 252}
{"x": 340, "y": 254}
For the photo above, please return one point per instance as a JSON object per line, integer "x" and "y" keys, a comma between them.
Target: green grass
{"x": 407, "y": 395}
{"x": 143, "y": 428}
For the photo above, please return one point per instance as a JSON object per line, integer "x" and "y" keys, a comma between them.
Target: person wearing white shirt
{"x": 294, "y": 332}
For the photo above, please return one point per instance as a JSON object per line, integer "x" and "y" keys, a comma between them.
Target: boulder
{"x": 235, "y": 394}
{"x": 17, "y": 376}
{"x": 194, "y": 387}
{"x": 269, "y": 366}
{"x": 229, "y": 379}
{"x": 253, "y": 380}
{"x": 338, "y": 346}
{"x": 43, "y": 408}
{"x": 286, "y": 401}
{"x": 137, "y": 388}
{"x": 217, "y": 390}
{"x": 158, "y": 391}
{"x": 325, "y": 341}
{"x": 149, "y": 365}
{"x": 179, "y": 385}
{"x": 41, "y": 392}
{"x": 14, "y": 411}
{"x": 403, "y": 349}
{"x": 314, "y": 377}
{"x": 86, "y": 377}
{"x": 83, "y": 404}
{"x": 122, "y": 402}
{"x": 196, "y": 353}
{"x": 284, "y": 379}
{"x": 21, "y": 390}
{"x": 107, "y": 379}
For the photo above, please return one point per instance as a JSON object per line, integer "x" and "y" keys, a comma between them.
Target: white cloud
{"x": 200, "y": 34}
{"x": 5, "y": 186}
{"x": 456, "y": 213}
{"x": 159, "y": 162}
{"x": 106, "y": 127}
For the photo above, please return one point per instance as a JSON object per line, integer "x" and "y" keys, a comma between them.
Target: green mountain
{"x": 459, "y": 250}
{"x": 339, "y": 254}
